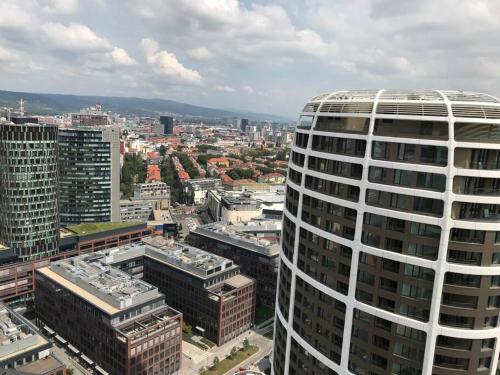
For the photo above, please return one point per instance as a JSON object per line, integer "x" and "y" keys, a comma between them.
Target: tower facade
{"x": 390, "y": 259}
{"x": 166, "y": 125}
{"x": 29, "y": 219}
{"x": 89, "y": 175}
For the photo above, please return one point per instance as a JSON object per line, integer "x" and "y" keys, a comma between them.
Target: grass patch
{"x": 89, "y": 228}
{"x": 228, "y": 363}
{"x": 263, "y": 313}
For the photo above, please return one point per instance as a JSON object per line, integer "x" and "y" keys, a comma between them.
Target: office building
{"x": 17, "y": 277}
{"x": 258, "y": 257}
{"x": 90, "y": 117}
{"x": 243, "y": 206}
{"x": 29, "y": 220}
{"x": 392, "y": 207}
{"x": 197, "y": 188}
{"x": 243, "y": 125}
{"x": 22, "y": 344}
{"x": 158, "y": 193}
{"x": 89, "y": 175}
{"x": 166, "y": 126}
{"x": 138, "y": 211}
{"x": 209, "y": 290}
{"x": 118, "y": 322}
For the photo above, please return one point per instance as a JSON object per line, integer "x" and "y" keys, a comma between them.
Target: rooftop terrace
{"x": 90, "y": 228}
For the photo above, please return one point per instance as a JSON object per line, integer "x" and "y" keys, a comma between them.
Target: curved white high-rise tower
{"x": 390, "y": 258}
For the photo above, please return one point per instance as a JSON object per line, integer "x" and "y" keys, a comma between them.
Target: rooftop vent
{"x": 311, "y": 107}
{"x": 476, "y": 111}
{"x": 343, "y": 107}
{"x": 464, "y": 96}
{"x": 417, "y": 95}
{"x": 412, "y": 109}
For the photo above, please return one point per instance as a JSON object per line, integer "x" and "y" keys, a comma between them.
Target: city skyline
{"x": 241, "y": 54}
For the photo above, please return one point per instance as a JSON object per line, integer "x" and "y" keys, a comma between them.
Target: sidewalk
{"x": 205, "y": 358}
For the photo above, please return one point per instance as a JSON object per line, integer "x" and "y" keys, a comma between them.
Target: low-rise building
{"x": 273, "y": 177}
{"x": 119, "y": 322}
{"x": 243, "y": 206}
{"x": 158, "y": 193}
{"x": 255, "y": 252}
{"x": 23, "y": 347}
{"x": 153, "y": 173}
{"x": 197, "y": 189}
{"x": 135, "y": 210}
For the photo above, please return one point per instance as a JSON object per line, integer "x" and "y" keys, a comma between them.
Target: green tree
{"x": 204, "y": 148}
{"x": 283, "y": 154}
{"x": 239, "y": 173}
{"x": 215, "y": 362}
{"x": 246, "y": 343}
{"x": 163, "y": 150}
{"x": 188, "y": 329}
{"x": 232, "y": 353}
{"x": 133, "y": 171}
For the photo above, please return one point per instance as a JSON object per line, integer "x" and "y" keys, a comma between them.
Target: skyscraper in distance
{"x": 390, "y": 245}
{"x": 89, "y": 189}
{"x": 29, "y": 219}
{"x": 244, "y": 125}
{"x": 166, "y": 126}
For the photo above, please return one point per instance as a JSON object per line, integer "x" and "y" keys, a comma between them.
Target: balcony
{"x": 476, "y": 212}
{"x": 352, "y": 125}
{"x": 476, "y": 186}
{"x": 473, "y": 132}
{"x": 482, "y": 159}
{"x": 412, "y": 129}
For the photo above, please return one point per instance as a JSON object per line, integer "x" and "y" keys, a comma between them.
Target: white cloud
{"x": 248, "y": 89}
{"x": 166, "y": 64}
{"x": 411, "y": 43}
{"x": 17, "y": 15}
{"x": 59, "y": 6}
{"x": 225, "y": 88}
{"x": 7, "y": 55}
{"x": 228, "y": 29}
{"x": 121, "y": 57}
{"x": 200, "y": 53}
{"x": 76, "y": 37}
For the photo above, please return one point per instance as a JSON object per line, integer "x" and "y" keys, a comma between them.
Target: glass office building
{"x": 86, "y": 176}
{"x": 29, "y": 219}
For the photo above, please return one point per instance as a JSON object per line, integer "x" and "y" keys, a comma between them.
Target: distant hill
{"x": 59, "y": 103}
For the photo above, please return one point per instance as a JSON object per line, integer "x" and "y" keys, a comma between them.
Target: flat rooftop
{"x": 45, "y": 365}
{"x": 238, "y": 281}
{"x": 267, "y": 196}
{"x": 90, "y": 228}
{"x": 104, "y": 286}
{"x": 17, "y": 335}
{"x": 230, "y": 234}
{"x": 187, "y": 258}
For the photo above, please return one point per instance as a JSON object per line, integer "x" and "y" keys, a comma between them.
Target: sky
{"x": 261, "y": 56}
